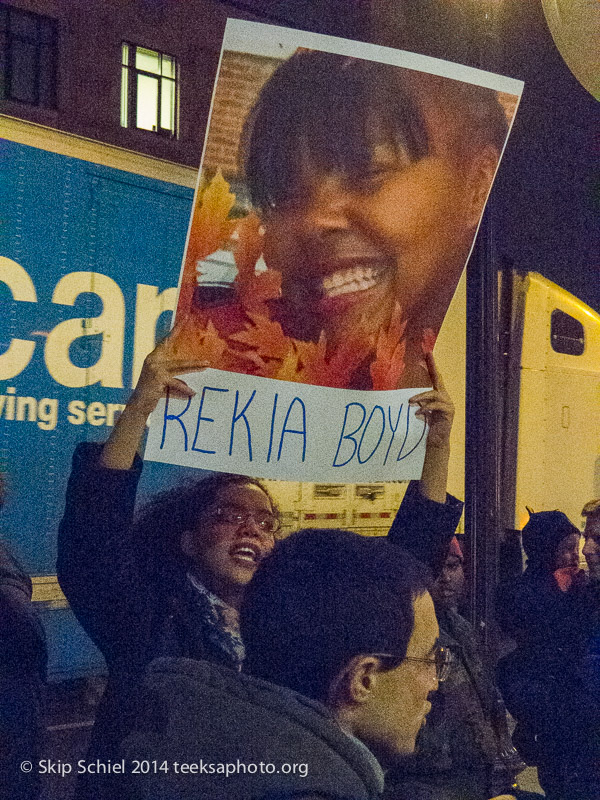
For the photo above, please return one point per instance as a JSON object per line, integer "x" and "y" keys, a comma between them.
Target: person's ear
{"x": 355, "y": 683}
{"x": 481, "y": 174}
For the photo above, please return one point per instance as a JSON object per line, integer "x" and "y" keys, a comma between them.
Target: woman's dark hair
{"x": 161, "y": 521}
{"x": 323, "y": 597}
{"x": 328, "y": 111}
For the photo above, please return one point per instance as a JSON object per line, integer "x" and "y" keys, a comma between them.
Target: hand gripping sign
{"x": 340, "y": 191}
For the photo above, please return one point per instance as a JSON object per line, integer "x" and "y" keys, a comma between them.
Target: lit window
{"x": 149, "y": 90}
{"x": 28, "y": 57}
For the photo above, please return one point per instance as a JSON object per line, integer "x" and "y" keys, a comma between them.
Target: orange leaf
{"x": 346, "y": 359}
{"x": 265, "y": 336}
{"x": 210, "y": 224}
{"x": 193, "y": 341}
{"x": 254, "y": 291}
{"x": 388, "y": 366}
{"x": 209, "y": 229}
{"x": 288, "y": 371}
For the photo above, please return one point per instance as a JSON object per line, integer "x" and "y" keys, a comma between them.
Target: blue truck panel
{"x": 62, "y": 215}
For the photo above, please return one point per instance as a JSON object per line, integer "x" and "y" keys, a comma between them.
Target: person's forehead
{"x": 426, "y": 630}
{"x": 245, "y": 496}
{"x": 571, "y": 539}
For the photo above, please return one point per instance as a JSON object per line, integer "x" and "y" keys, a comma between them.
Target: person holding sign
{"x": 171, "y": 582}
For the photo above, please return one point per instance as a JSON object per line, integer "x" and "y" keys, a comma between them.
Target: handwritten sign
{"x": 278, "y": 429}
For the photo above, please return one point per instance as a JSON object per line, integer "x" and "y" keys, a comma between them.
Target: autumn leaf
{"x": 388, "y": 366}
{"x": 211, "y": 225}
{"x": 312, "y": 364}
{"x": 346, "y": 360}
{"x": 265, "y": 336}
{"x": 288, "y": 371}
{"x": 261, "y": 287}
{"x": 334, "y": 370}
{"x": 193, "y": 341}
{"x": 210, "y": 228}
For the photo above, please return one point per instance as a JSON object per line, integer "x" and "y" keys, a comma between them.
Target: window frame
{"x": 563, "y": 341}
{"x": 131, "y": 93}
{"x": 9, "y": 39}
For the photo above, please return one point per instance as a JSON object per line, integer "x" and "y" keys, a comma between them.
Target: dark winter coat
{"x": 200, "y": 712}
{"x": 464, "y": 749}
{"x": 131, "y": 610}
{"x": 548, "y": 681}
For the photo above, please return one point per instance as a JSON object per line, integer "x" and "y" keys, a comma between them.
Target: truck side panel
{"x": 78, "y": 238}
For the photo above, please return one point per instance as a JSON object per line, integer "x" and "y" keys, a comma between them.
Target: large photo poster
{"x": 339, "y": 195}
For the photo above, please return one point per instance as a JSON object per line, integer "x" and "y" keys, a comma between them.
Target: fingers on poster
{"x": 339, "y": 195}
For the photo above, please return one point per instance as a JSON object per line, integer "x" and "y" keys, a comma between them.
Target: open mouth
{"x": 347, "y": 281}
{"x": 246, "y": 553}
{"x": 352, "y": 279}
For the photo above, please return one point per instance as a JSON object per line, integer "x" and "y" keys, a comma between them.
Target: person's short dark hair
{"x": 591, "y": 510}
{"x": 167, "y": 515}
{"x": 542, "y": 535}
{"x": 329, "y": 111}
{"x": 323, "y": 597}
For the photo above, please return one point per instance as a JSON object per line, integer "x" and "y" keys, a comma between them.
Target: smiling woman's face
{"x": 349, "y": 249}
{"x": 226, "y": 554}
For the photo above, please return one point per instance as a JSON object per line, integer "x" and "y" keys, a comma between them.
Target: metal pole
{"x": 482, "y": 507}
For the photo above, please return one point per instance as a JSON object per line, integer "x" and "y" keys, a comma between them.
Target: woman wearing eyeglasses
{"x": 167, "y": 582}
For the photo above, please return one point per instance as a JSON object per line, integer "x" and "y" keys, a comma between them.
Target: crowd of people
{"x": 340, "y": 663}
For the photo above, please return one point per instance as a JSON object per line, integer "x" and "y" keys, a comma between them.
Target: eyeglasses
{"x": 230, "y": 515}
{"x": 442, "y": 660}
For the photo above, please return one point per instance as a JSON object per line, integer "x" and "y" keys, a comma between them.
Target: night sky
{"x": 547, "y": 194}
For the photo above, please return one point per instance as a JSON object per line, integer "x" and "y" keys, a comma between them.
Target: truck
{"x": 92, "y": 241}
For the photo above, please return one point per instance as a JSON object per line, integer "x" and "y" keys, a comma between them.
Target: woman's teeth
{"x": 355, "y": 279}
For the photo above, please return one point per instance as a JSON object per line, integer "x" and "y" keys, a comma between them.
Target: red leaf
{"x": 265, "y": 336}
{"x": 388, "y": 366}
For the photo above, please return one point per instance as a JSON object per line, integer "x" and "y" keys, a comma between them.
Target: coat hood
{"x": 273, "y": 742}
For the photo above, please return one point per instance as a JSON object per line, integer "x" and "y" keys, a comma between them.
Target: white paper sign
{"x": 278, "y": 429}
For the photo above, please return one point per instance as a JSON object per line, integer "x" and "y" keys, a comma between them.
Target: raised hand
{"x": 435, "y": 407}
{"x": 157, "y": 376}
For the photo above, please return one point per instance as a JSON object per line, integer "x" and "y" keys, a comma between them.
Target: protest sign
{"x": 340, "y": 191}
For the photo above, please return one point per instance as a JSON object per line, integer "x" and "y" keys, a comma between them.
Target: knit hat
{"x": 542, "y": 536}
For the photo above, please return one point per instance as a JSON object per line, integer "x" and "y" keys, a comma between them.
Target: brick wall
{"x": 241, "y": 78}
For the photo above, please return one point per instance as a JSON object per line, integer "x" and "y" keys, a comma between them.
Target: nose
{"x": 328, "y": 205}
{"x": 251, "y": 528}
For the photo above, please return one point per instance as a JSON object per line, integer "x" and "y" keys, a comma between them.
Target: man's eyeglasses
{"x": 230, "y": 515}
{"x": 441, "y": 659}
